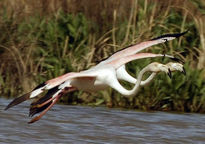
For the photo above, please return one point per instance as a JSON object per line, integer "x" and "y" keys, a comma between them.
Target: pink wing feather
{"x": 143, "y": 45}
{"x": 121, "y": 61}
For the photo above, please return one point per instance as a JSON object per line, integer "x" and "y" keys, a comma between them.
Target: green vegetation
{"x": 37, "y": 44}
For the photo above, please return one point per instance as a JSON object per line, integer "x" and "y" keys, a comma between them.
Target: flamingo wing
{"x": 43, "y": 104}
{"x": 133, "y": 49}
{"x": 50, "y": 84}
{"x": 56, "y": 89}
{"x": 117, "y": 63}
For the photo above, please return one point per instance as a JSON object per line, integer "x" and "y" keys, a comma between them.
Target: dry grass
{"x": 37, "y": 44}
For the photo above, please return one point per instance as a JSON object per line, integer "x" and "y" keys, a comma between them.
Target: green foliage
{"x": 40, "y": 47}
{"x": 49, "y": 42}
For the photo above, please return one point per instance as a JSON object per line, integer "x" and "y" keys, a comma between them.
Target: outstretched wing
{"x": 133, "y": 49}
{"x": 36, "y": 91}
{"x": 50, "y": 84}
{"x": 46, "y": 102}
{"x": 116, "y": 63}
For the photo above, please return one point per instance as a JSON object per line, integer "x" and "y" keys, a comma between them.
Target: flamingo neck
{"x": 134, "y": 91}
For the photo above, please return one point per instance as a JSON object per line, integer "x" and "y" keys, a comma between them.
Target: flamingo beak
{"x": 169, "y": 73}
{"x": 184, "y": 71}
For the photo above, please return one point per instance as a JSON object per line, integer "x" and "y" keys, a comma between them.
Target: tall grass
{"x": 44, "y": 39}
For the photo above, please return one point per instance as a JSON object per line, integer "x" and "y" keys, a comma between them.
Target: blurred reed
{"x": 43, "y": 39}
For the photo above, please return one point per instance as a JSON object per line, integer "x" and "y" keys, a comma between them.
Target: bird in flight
{"x": 105, "y": 74}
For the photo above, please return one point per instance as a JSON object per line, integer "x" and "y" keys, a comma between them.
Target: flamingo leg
{"x": 44, "y": 103}
{"x": 49, "y": 100}
{"x": 54, "y": 100}
{"x": 39, "y": 116}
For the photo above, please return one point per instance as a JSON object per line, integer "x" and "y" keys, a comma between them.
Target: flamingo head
{"x": 158, "y": 67}
{"x": 176, "y": 67}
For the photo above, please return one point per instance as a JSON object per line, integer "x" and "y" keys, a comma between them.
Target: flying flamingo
{"x": 122, "y": 74}
{"x": 105, "y": 74}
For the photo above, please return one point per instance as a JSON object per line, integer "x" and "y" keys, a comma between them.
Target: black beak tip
{"x": 169, "y": 73}
{"x": 184, "y": 71}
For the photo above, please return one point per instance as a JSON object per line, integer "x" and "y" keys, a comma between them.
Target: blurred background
{"x": 42, "y": 39}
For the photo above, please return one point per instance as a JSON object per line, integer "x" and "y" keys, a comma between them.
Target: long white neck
{"x": 114, "y": 83}
{"x": 137, "y": 85}
{"x": 122, "y": 74}
{"x": 148, "y": 80}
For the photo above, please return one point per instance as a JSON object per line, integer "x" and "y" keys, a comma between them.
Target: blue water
{"x": 78, "y": 124}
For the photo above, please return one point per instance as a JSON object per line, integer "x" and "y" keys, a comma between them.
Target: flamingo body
{"x": 105, "y": 74}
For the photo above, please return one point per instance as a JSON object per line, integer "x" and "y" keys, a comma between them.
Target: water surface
{"x": 78, "y": 124}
